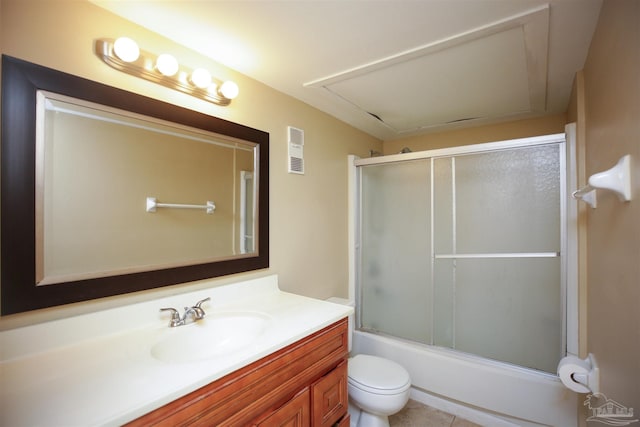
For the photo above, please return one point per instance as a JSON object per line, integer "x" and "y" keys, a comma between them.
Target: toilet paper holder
{"x": 591, "y": 380}
{"x": 586, "y": 379}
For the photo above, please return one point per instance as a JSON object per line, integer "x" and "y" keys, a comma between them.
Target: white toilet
{"x": 377, "y": 388}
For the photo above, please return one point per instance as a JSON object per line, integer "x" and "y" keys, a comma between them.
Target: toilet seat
{"x": 377, "y": 375}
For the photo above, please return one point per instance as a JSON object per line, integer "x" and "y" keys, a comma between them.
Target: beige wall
{"x": 545, "y": 125}
{"x": 612, "y": 126}
{"x": 308, "y": 213}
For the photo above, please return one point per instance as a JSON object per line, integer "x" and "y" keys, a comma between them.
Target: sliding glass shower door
{"x": 463, "y": 251}
{"x": 396, "y": 235}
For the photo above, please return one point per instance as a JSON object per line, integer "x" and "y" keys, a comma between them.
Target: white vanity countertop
{"x": 97, "y": 369}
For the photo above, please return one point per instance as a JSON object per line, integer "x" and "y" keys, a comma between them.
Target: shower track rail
{"x": 499, "y": 255}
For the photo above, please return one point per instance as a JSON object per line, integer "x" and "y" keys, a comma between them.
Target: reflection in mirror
{"x": 81, "y": 165}
{"x": 96, "y": 167}
{"x": 247, "y": 214}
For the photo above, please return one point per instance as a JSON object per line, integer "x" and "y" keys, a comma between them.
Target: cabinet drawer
{"x": 329, "y": 397}
{"x": 294, "y": 413}
{"x": 344, "y": 422}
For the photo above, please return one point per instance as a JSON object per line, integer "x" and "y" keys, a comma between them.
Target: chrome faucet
{"x": 195, "y": 313}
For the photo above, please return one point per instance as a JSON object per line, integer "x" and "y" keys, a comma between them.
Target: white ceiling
{"x": 391, "y": 68}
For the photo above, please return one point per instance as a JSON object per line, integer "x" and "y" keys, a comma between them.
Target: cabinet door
{"x": 294, "y": 413}
{"x": 329, "y": 397}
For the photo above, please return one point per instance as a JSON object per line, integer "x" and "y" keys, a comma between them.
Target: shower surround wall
{"x": 464, "y": 249}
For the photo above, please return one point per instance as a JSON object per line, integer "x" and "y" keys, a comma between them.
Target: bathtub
{"x": 480, "y": 390}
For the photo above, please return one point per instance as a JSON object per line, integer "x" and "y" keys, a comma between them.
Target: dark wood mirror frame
{"x": 20, "y": 82}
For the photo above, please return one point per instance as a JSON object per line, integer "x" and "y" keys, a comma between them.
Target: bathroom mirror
{"x": 106, "y": 192}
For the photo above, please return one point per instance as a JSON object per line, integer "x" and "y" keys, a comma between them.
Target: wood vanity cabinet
{"x": 301, "y": 385}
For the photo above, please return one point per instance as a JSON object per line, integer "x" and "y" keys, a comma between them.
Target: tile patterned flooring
{"x": 415, "y": 414}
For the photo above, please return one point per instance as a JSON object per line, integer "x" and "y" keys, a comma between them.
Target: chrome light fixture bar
{"x": 124, "y": 55}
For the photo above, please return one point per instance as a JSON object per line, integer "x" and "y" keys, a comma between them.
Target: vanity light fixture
{"x": 167, "y": 65}
{"x": 123, "y": 54}
{"x": 201, "y": 78}
{"x": 126, "y": 49}
{"x": 229, "y": 89}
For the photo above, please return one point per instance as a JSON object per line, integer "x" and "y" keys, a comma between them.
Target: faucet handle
{"x": 198, "y": 308}
{"x": 175, "y": 316}
{"x": 199, "y": 303}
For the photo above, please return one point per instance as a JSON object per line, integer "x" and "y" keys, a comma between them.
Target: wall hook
{"x": 616, "y": 179}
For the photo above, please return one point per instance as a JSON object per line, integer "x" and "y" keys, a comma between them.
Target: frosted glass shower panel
{"x": 395, "y": 270}
{"x": 444, "y": 309}
{"x": 443, "y": 205}
{"x": 508, "y": 201}
{"x": 510, "y": 310}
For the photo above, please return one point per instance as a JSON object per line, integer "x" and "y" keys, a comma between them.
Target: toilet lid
{"x": 377, "y": 375}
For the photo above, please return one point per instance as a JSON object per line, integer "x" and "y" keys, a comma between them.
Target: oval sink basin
{"x": 218, "y": 334}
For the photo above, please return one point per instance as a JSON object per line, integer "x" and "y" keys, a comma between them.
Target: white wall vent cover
{"x": 296, "y": 148}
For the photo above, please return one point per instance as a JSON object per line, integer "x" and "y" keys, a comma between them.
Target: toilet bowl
{"x": 377, "y": 388}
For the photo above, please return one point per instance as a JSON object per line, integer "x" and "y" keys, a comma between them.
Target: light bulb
{"x": 167, "y": 65}
{"x": 201, "y": 78}
{"x": 126, "y": 49}
{"x": 229, "y": 90}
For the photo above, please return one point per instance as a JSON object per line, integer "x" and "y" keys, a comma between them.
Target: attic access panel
{"x": 499, "y": 70}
